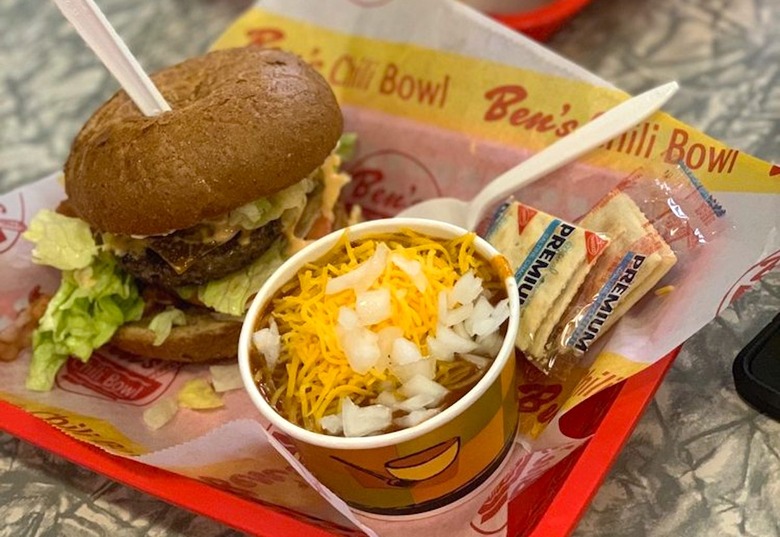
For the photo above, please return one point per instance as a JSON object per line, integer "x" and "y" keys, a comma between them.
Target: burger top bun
{"x": 245, "y": 123}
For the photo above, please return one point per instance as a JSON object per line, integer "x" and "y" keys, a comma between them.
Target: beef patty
{"x": 214, "y": 263}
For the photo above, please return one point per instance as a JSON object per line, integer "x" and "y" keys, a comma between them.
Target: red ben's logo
{"x": 387, "y": 181}
{"x": 11, "y": 224}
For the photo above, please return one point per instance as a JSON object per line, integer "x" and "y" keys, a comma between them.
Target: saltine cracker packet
{"x": 551, "y": 259}
{"x": 655, "y": 221}
{"x": 576, "y": 281}
{"x": 633, "y": 263}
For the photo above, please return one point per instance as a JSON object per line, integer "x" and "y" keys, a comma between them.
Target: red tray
{"x": 551, "y": 507}
{"x": 543, "y": 22}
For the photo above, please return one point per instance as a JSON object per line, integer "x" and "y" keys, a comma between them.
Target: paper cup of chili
{"x": 385, "y": 351}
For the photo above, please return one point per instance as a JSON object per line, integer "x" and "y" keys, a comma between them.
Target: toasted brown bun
{"x": 204, "y": 338}
{"x": 245, "y": 122}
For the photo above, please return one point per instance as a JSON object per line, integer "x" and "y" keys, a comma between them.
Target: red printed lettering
{"x": 410, "y": 88}
{"x": 367, "y": 187}
{"x": 504, "y": 101}
{"x": 501, "y": 99}
{"x": 265, "y": 36}
{"x": 698, "y": 156}
{"x": 535, "y": 396}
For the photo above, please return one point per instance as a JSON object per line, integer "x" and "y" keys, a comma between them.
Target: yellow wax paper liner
{"x": 436, "y": 114}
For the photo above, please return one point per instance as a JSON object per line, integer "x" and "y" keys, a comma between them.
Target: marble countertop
{"x": 700, "y": 462}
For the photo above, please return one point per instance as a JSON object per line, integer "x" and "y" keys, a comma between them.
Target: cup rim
{"x": 315, "y": 250}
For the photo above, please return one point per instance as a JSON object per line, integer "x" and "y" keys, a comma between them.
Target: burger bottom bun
{"x": 203, "y": 339}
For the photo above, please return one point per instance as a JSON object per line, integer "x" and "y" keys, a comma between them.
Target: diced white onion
{"x": 385, "y": 339}
{"x": 413, "y": 269}
{"x": 417, "y": 402}
{"x": 415, "y": 417}
{"x": 442, "y": 309}
{"x": 373, "y": 307}
{"x": 386, "y": 398}
{"x": 332, "y": 424}
{"x": 404, "y": 352}
{"x": 418, "y": 385}
{"x": 363, "y": 421}
{"x": 480, "y": 361}
{"x": 455, "y": 343}
{"x": 459, "y": 314}
{"x": 490, "y": 344}
{"x": 501, "y": 311}
{"x": 466, "y": 289}
{"x": 361, "y": 346}
{"x": 268, "y": 343}
{"x": 482, "y": 311}
{"x": 492, "y": 322}
{"x": 460, "y": 329}
{"x": 225, "y": 378}
{"x": 348, "y": 318}
{"x": 425, "y": 368}
{"x": 362, "y": 277}
{"x": 439, "y": 350}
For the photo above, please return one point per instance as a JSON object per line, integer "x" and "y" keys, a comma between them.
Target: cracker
{"x": 633, "y": 263}
{"x": 551, "y": 258}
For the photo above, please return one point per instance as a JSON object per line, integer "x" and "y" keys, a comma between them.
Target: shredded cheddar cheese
{"x": 313, "y": 374}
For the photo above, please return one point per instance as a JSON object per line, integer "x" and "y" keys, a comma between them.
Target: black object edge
{"x": 751, "y": 388}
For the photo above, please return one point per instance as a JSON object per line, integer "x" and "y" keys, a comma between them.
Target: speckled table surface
{"x": 700, "y": 461}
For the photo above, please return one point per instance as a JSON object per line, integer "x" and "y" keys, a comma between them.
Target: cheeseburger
{"x": 173, "y": 222}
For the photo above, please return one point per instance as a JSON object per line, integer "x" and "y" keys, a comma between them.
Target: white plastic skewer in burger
{"x": 97, "y": 32}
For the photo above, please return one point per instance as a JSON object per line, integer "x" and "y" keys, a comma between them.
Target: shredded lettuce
{"x": 259, "y": 212}
{"x": 60, "y": 241}
{"x": 90, "y": 304}
{"x": 95, "y": 296}
{"x": 232, "y": 293}
{"x": 162, "y": 323}
{"x": 346, "y": 146}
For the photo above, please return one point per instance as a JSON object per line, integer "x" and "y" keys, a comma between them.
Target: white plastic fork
{"x": 600, "y": 130}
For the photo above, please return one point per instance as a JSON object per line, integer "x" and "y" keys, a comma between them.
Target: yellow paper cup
{"x": 421, "y": 468}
